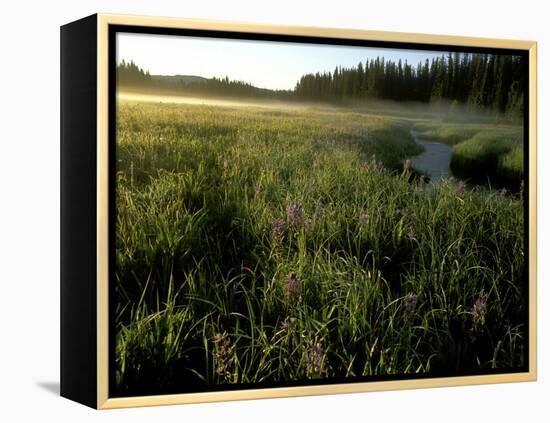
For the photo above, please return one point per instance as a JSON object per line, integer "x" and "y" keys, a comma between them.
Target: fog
{"x": 213, "y": 101}
{"x": 441, "y": 110}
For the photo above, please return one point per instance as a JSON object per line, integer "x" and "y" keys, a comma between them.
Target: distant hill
{"x": 179, "y": 79}
{"x": 131, "y": 77}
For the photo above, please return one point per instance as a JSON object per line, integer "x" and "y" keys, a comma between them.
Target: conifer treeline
{"x": 478, "y": 80}
{"x": 129, "y": 75}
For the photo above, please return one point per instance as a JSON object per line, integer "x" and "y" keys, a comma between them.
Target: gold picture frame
{"x": 75, "y": 383}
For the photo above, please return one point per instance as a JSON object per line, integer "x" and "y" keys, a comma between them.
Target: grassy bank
{"x": 261, "y": 246}
{"x": 481, "y": 153}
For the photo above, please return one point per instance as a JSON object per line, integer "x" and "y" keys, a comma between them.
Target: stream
{"x": 435, "y": 160}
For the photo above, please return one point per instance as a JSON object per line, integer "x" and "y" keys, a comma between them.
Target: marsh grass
{"x": 492, "y": 157}
{"x": 482, "y": 153}
{"x": 447, "y": 133}
{"x": 269, "y": 247}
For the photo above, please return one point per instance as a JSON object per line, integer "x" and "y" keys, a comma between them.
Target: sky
{"x": 265, "y": 64}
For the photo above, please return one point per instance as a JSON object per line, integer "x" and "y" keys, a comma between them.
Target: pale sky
{"x": 265, "y": 64}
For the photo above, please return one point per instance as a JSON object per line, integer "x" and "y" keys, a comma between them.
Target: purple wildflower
{"x": 375, "y": 165}
{"x": 363, "y": 218}
{"x": 292, "y": 288}
{"x": 223, "y": 356}
{"x": 308, "y": 223}
{"x": 314, "y": 359}
{"x": 278, "y": 227}
{"x": 479, "y": 310}
{"x": 411, "y": 235}
{"x": 288, "y": 323}
{"x": 410, "y": 301}
{"x": 294, "y": 213}
{"x": 317, "y": 144}
{"x": 460, "y": 187}
{"x": 318, "y": 212}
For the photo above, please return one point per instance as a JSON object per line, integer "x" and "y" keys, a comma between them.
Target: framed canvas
{"x": 255, "y": 211}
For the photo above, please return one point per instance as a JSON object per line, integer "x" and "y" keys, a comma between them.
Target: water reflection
{"x": 435, "y": 160}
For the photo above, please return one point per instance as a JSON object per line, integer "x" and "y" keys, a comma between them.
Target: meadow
{"x": 266, "y": 246}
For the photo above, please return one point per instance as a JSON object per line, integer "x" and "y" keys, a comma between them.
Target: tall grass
{"x": 510, "y": 166}
{"x": 273, "y": 247}
{"x": 489, "y": 156}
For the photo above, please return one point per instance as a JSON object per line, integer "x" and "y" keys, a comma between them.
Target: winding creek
{"x": 435, "y": 160}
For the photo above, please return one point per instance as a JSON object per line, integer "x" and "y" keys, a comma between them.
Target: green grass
{"x": 447, "y": 133}
{"x": 268, "y": 247}
{"x": 490, "y": 156}
{"x": 510, "y": 166}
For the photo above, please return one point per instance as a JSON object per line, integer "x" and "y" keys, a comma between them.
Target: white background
{"x": 29, "y": 210}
